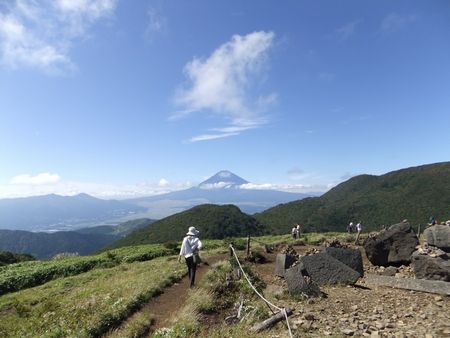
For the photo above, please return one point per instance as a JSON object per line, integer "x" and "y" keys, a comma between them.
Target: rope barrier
{"x": 283, "y": 310}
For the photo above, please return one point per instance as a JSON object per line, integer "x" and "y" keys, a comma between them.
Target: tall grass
{"x": 86, "y": 305}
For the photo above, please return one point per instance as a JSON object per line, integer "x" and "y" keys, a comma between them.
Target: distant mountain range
{"x": 53, "y": 213}
{"x": 84, "y": 241}
{"x": 56, "y": 213}
{"x": 413, "y": 193}
{"x": 222, "y": 188}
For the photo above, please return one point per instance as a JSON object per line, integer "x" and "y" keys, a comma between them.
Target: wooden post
{"x": 268, "y": 323}
{"x": 231, "y": 250}
{"x": 248, "y": 246}
{"x": 357, "y": 238}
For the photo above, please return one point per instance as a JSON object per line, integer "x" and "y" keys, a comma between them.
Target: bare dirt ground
{"x": 361, "y": 310}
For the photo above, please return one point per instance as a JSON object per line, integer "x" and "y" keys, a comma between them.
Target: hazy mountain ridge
{"x": 413, "y": 193}
{"x": 83, "y": 241}
{"x": 55, "y": 212}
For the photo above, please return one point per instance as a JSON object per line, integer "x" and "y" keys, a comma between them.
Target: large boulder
{"x": 298, "y": 283}
{"x": 350, "y": 257}
{"x": 393, "y": 246}
{"x": 439, "y": 236}
{"x": 324, "y": 269}
{"x": 283, "y": 262}
{"x": 429, "y": 267}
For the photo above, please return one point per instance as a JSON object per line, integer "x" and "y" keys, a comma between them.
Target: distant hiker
{"x": 432, "y": 220}
{"x": 298, "y": 230}
{"x": 350, "y": 228}
{"x": 294, "y": 232}
{"x": 358, "y": 229}
{"x": 189, "y": 249}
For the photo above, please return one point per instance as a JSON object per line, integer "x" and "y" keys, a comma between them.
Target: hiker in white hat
{"x": 189, "y": 249}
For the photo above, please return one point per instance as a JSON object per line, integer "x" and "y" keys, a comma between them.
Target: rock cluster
{"x": 438, "y": 236}
{"x": 431, "y": 263}
{"x": 393, "y": 246}
{"x": 333, "y": 264}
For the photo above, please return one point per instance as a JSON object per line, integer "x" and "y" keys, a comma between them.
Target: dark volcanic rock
{"x": 350, "y": 257}
{"x": 324, "y": 269}
{"x": 439, "y": 236}
{"x": 297, "y": 283}
{"x": 283, "y": 262}
{"x": 434, "y": 268}
{"x": 393, "y": 246}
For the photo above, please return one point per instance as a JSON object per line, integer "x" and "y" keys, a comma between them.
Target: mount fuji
{"x": 222, "y": 188}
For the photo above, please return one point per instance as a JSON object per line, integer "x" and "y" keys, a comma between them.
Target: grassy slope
{"x": 412, "y": 193}
{"x": 23, "y": 275}
{"x": 87, "y": 304}
{"x": 213, "y": 221}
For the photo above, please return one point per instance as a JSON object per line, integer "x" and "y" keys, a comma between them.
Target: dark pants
{"x": 192, "y": 267}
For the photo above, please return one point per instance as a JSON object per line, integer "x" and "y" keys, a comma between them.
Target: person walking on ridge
{"x": 189, "y": 249}
{"x": 294, "y": 232}
{"x": 298, "y": 230}
{"x": 358, "y": 229}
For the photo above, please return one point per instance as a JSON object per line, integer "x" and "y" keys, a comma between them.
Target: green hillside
{"x": 213, "y": 221}
{"x": 413, "y": 193}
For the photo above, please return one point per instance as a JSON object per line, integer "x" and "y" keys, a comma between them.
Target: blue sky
{"x": 121, "y": 98}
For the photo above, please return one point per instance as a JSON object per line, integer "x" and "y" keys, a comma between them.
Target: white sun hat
{"x": 192, "y": 231}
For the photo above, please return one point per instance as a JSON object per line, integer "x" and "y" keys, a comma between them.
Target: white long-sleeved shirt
{"x": 189, "y": 245}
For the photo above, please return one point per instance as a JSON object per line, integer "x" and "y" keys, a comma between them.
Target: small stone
{"x": 438, "y": 298}
{"x": 380, "y": 325}
{"x": 354, "y": 307}
{"x": 310, "y": 301}
{"x": 309, "y": 316}
{"x": 348, "y": 332}
{"x": 374, "y": 334}
{"x": 427, "y": 335}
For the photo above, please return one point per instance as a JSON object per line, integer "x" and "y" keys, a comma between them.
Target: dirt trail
{"x": 163, "y": 307}
{"x": 175, "y": 296}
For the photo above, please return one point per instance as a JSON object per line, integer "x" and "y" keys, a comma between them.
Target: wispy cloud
{"x": 39, "y": 179}
{"x": 394, "y": 22}
{"x": 40, "y": 34}
{"x": 156, "y": 23}
{"x": 222, "y": 85}
{"x": 347, "y": 30}
{"x": 296, "y": 173}
{"x": 50, "y": 183}
{"x": 285, "y": 187}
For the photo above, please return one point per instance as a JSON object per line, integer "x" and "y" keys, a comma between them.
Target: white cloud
{"x": 346, "y": 31}
{"x": 285, "y": 187}
{"x": 46, "y": 183}
{"x": 163, "y": 182}
{"x": 40, "y": 35}
{"x": 218, "y": 185}
{"x": 222, "y": 83}
{"x": 40, "y": 179}
{"x": 394, "y": 22}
